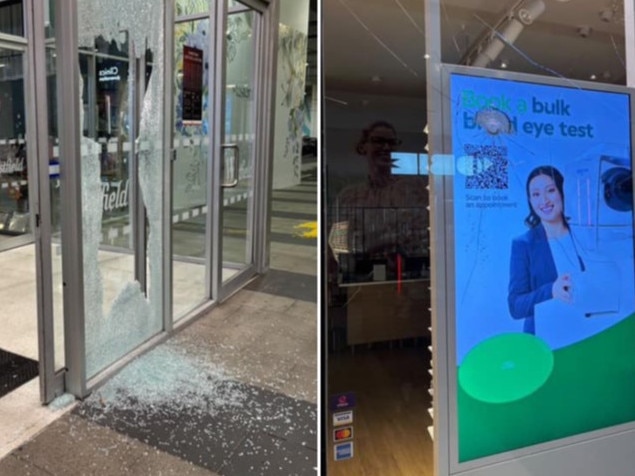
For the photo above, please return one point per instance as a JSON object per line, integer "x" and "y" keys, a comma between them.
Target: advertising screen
{"x": 544, "y": 278}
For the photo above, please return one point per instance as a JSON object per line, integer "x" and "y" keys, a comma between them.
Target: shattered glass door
{"x": 120, "y": 52}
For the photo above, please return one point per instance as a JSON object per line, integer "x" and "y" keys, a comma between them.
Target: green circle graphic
{"x": 506, "y": 368}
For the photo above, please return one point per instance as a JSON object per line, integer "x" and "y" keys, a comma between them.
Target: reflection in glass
{"x": 17, "y": 250}
{"x": 14, "y": 191}
{"x": 189, "y": 184}
{"x": 377, "y": 248}
{"x": 12, "y": 18}
{"x": 191, "y": 7}
{"x": 583, "y": 41}
{"x": 55, "y": 185}
{"x": 240, "y": 132}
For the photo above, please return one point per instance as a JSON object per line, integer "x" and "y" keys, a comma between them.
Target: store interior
{"x": 378, "y": 318}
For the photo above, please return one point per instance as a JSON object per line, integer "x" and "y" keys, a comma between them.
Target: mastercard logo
{"x": 345, "y": 433}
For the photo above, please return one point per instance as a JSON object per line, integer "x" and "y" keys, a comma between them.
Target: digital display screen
{"x": 544, "y": 278}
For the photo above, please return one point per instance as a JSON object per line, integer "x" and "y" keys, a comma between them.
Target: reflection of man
{"x": 385, "y": 216}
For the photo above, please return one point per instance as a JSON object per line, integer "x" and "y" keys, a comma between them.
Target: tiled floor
{"x": 234, "y": 393}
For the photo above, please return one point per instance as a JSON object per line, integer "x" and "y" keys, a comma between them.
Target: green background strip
{"x": 592, "y": 386}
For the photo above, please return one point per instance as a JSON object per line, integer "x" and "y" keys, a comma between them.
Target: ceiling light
{"x": 504, "y": 64}
{"x": 375, "y": 79}
{"x": 530, "y": 11}
{"x": 509, "y": 30}
{"x": 426, "y": 56}
{"x": 593, "y": 77}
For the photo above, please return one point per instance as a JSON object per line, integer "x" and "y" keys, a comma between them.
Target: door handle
{"x": 234, "y": 180}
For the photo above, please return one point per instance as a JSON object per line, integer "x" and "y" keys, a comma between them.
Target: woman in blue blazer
{"x": 533, "y": 275}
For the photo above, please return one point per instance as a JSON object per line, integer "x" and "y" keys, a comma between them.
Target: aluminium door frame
{"x": 265, "y": 49}
{"x": 66, "y": 38}
{"x": 76, "y": 378}
{"x": 33, "y": 46}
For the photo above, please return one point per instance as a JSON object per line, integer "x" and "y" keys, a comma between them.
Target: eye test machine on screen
{"x": 599, "y": 191}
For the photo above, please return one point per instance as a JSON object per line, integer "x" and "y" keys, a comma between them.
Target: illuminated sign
{"x": 543, "y": 262}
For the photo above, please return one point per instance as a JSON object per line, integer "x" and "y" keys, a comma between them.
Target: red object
{"x": 399, "y": 262}
{"x": 343, "y": 434}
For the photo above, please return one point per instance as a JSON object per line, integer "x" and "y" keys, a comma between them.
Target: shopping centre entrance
{"x": 133, "y": 162}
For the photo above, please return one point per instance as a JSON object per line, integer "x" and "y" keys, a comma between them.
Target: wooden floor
{"x": 391, "y": 413}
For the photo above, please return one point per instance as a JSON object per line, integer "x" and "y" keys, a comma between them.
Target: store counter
{"x": 387, "y": 310}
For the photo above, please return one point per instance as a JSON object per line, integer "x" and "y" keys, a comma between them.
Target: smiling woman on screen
{"x": 544, "y": 260}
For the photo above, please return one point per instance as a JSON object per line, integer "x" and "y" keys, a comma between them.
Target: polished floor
{"x": 254, "y": 358}
{"x": 391, "y": 413}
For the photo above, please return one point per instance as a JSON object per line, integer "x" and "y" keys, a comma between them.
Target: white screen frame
{"x": 576, "y": 455}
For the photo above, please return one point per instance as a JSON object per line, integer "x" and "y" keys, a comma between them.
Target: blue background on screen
{"x": 567, "y": 127}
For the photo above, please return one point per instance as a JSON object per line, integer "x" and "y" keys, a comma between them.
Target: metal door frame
{"x": 76, "y": 380}
{"x": 37, "y": 127}
{"x": 66, "y": 31}
{"x": 265, "y": 50}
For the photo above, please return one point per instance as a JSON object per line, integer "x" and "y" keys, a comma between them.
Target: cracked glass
{"x": 538, "y": 159}
{"x": 121, "y": 310}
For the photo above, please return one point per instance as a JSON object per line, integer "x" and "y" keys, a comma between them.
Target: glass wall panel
{"x": 18, "y": 315}
{"x": 14, "y": 199}
{"x": 12, "y": 18}
{"x": 377, "y": 255}
{"x": 118, "y": 152}
{"x": 191, "y": 7}
{"x": 238, "y": 139}
{"x": 190, "y": 169}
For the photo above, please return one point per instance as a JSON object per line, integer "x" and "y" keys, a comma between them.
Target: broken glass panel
{"x": 119, "y": 313}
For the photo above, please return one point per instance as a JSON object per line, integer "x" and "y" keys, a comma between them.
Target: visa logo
{"x": 343, "y": 418}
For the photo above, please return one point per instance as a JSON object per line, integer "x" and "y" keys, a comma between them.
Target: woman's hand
{"x": 562, "y": 288}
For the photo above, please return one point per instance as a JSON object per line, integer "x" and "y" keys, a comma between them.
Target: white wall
{"x": 294, "y": 18}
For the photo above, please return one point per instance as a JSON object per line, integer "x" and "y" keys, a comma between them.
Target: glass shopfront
{"x": 447, "y": 352}
{"x": 85, "y": 107}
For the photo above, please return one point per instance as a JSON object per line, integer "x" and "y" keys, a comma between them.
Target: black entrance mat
{"x": 15, "y": 371}
{"x": 261, "y": 432}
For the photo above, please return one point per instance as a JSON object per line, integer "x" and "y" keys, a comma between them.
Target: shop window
{"x": 12, "y": 18}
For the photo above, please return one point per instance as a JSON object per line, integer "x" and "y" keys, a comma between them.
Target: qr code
{"x": 489, "y": 167}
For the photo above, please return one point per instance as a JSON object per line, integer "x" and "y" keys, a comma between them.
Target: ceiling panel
{"x": 385, "y": 39}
